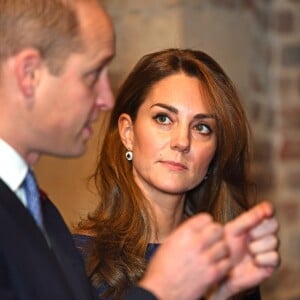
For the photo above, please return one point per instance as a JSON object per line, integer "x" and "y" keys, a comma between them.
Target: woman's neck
{"x": 169, "y": 213}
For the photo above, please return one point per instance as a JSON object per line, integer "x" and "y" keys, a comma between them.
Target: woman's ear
{"x": 125, "y": 125}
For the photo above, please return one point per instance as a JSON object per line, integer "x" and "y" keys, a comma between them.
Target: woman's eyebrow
{"x": 168, "y": 107}
{"x": 175, "y": 110}
{"x": 205, "y": 116}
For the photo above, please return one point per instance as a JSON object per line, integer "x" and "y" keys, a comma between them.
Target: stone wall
{"x": 258, "y": 44}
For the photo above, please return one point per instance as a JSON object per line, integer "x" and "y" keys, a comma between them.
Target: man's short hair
{"x": 50, "y": 26}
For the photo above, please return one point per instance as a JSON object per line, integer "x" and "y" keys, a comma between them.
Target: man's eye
{"x": 92, "y": 77}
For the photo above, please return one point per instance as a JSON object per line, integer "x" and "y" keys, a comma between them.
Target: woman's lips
{"x": 174, "y": 165}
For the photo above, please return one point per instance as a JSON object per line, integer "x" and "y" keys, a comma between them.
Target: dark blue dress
{"x": 82, "y": 243}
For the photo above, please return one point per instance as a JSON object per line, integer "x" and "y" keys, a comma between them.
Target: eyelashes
{"x": 199, "y": 127}
{"x": 203, "y": 129}
{"x": 162, "y": 118}
{"x": 92, "y": 78}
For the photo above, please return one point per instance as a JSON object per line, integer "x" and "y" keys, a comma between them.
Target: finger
{"x": 223, "y": 267}
{"x": 219, "y": 270}
{"x": 268, "y": 259}
{"x": 250, "y": 219}
{"x": 266, "y": 227}
{"x": 201, "y": 229}
{"x": 209, "y": 235}
{"x": 217, "y": 252}
{"x": 197, "y": 222}
{"x": 268, "y": 243}
{"x": 191, "y": 228}
{"x": 189, "y": 233}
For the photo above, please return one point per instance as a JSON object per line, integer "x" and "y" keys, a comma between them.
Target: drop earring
{"x": 129, "y": 155}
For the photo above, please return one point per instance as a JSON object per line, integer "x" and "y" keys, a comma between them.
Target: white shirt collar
{"x": 13, "y": 167}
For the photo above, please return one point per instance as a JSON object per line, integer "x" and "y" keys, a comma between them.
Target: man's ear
{"x": 126, "y": 131}
{"x": 27, "y": 69}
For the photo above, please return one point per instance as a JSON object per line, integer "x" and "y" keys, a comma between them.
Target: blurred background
{"x": 257, "y": 42}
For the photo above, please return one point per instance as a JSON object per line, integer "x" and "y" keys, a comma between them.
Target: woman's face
{"x": 173, "y": 139}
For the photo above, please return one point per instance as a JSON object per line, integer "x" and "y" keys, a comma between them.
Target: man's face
{"x": 69, "y": 103}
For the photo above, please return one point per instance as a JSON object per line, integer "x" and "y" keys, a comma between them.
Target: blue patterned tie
{"x": 33, "y": 199}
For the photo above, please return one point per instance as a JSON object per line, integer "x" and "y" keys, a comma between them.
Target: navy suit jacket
{"x": 29, "y": 268}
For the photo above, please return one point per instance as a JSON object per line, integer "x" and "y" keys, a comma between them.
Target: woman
{"x": 177, "y": 144}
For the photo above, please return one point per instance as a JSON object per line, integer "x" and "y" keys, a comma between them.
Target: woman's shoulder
{"x": 84, "y": 243}
{"x": 151, "y": 249}
{"x": 82, "y": 237}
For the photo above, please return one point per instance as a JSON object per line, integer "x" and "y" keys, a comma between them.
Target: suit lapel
{"x": 62, "y": 259}
{"x": 63, "y": 246}
{"x": 22, "y": 237}
{"x": 18, "y": 212}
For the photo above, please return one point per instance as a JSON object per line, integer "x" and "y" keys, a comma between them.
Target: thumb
{"x": 249, "y": 219}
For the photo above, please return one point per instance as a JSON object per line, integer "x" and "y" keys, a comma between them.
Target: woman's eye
{"x": 203, "y": 129}
{"x": 162, "y": 119}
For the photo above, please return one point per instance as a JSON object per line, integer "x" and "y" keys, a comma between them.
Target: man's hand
{"x": 190, "y": 261}
{"x": 253, "y": 243}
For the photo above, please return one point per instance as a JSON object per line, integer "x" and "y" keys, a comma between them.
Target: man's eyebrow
{"x": 104, "y": 61}
{"x": 175, "y": 110}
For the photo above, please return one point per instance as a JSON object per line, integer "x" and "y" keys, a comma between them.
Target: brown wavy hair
{"x": 121, "y": 223}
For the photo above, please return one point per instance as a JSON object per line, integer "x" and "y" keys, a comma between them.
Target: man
{"x": 53, "y": 83}
{"x": 51, "y": 56}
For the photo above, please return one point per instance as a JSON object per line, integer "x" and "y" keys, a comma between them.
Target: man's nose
{"x": 105, "y": 97}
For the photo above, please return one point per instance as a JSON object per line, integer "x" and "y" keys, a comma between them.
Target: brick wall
{"x": 280, "y": 101}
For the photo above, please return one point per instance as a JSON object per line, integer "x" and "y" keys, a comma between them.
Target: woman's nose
{"x": 180, "y": 140}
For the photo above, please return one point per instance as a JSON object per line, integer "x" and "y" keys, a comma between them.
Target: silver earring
{"x": 129, "y": 155}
